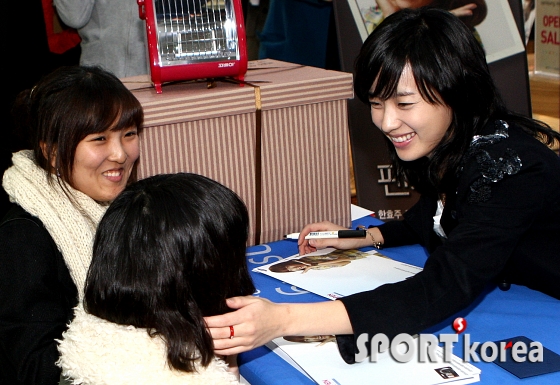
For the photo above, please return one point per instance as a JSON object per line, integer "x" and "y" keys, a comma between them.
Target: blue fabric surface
{"x": 262, "y": 366}
{"x": 496, "y": 315}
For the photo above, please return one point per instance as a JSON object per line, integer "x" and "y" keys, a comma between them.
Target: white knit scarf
{"x": 73, "y": 232}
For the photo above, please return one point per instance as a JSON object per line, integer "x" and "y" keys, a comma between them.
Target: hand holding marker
{"x": 330, "y": 234}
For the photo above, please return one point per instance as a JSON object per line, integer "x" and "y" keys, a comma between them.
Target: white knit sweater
{"x": 97, "y": 352}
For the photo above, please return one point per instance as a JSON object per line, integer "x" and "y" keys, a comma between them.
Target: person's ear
{"x": 44, "y": 149}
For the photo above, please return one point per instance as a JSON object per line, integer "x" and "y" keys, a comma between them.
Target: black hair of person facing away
{"x": 450, "y": 68}
{"x": 169, "y": 251}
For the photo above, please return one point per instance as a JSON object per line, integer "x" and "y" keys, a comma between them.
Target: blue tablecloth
{"x": 495, "y": 316}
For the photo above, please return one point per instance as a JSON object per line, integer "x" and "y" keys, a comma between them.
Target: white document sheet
{"x": 322, "y": 363}
{"x": 338, "y": 273}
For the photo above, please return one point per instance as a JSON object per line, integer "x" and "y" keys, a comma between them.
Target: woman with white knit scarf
{"x": 83, "y": 125}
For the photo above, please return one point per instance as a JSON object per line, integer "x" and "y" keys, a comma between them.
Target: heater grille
{"x": 195, "y": 31}
{"x": 194, "y": 39}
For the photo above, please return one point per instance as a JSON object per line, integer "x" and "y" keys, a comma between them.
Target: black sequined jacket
{"x": 503, "y": 223}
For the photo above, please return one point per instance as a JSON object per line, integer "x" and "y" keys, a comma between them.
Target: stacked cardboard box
{"x": 280, "y": 141}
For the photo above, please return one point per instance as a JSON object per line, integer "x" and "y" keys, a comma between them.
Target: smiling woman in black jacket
{"x": 489, "y": 211}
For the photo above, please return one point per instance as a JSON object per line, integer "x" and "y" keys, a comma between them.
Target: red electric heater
{"x": 194, "y": 39}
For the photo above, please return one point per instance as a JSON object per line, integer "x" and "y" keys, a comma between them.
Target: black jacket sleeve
{"x": 36, "y": 301}
{"x": 511, "y": 225}
{"x": 413, "y": 228}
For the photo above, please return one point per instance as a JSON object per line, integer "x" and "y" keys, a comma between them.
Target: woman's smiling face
{"x": 103, "y": 163}
{"x": 414, "y": 126}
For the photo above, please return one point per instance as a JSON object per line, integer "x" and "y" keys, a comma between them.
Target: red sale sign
{"x": 547, "y": 37}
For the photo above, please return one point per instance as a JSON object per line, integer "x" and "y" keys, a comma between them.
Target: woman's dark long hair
{"x": 449, "y": 67}
{"x": 169, "y": 251}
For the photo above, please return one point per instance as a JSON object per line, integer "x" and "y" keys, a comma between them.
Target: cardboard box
{"x": 280, "y": 141}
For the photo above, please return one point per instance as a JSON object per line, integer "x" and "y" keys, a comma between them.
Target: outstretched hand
{"x": 389, "y": 7}
{"x": 465, "y": 10}
{"x": 258, "y": 321}
{"x": 255, "y": 322}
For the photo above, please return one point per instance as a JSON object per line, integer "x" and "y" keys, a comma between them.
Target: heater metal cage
{"x": 194, "y": 39}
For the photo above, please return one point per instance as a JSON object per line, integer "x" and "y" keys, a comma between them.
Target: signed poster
{"x": 334, "y": 273}
{"x": 494, "y": 24}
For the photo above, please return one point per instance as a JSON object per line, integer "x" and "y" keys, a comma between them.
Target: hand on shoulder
{"x": 255, "y": 322}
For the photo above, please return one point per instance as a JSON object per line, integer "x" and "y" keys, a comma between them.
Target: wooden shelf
{"x": 545, "y": 99}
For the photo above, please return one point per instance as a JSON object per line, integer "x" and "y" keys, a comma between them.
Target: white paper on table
{"x": 357, "y": 212}
{"x": 357, "y": 276}
{"x": 323, "y": 364}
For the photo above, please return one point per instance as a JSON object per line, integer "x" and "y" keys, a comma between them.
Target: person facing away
{"x": 489, "y": 210}
{"x": 113, "y": 35}
{"x": 83, "y": 125}
{"x": 169, "y": 250}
